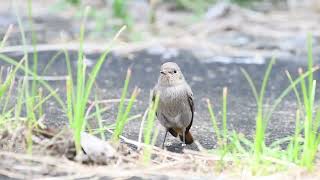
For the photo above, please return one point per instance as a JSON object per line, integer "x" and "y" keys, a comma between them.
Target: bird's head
{"x": 170, "y": 74}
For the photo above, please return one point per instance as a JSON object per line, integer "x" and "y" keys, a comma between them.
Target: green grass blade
{"x": 133, "y": 97}
{"x": 8, "y": 91}
{"x": 34, "y": 46}
{"x": 149, "y": 128}
{"x": 124, "y": 118}
{"x": 97, "y": 67}
{"x": 154, "y": 137}
{"x": 18, "y": 106}
{"x": 5, "y": 86}
{"x": 296, "y": 143}
{"x": 43, "y": 100}
{"x": 317, "y": 121}
{"x": 121, "y": 104}
{"x": 56, "y": 55}
{"x": 214, "y": 121}
{"x": 224, "y": 116}
{"x": 295, "y": 90}
{"x": 286, "y": 92}
{"x": 6, "y": 36}
{"x": 150, "y": 120}
{"x": 265, "y": 80}
{"x": 310, "y": 61}
{"x": 8, "y": 84}
{"x": 253, "y": 87}
{"x": 70, "y": 84}
{"x": 280, "y": 141}
{"x": 28, "y": 72}
{"x": 70, "y": 104}
{"x": 237, "y": 143}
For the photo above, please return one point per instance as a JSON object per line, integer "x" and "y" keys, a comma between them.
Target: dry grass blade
{"x": 6, "y": 36}
{"x": 141, "y": 127}
{"x": 45, "y": 78}
{"x": 106, "y": 101}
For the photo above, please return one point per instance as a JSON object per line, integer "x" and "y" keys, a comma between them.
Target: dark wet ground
{"x": 206, "y": 79}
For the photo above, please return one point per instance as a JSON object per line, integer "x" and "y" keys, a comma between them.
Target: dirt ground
{"x": 210, "y": 51}
{"x": 207, "y": 81}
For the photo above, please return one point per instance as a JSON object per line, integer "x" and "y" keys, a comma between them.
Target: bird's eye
{"x": 174, "y": 71}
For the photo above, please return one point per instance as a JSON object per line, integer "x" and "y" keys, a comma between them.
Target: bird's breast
{"x": 173, "y": 101}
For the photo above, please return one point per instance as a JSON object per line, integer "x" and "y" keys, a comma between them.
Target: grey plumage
{"x": 175, "y": 109}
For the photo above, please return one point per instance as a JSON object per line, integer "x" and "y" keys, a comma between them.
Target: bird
{"x": 176, "y": 105}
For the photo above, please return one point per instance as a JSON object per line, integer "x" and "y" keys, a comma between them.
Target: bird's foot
{"x": 183, "y": 144}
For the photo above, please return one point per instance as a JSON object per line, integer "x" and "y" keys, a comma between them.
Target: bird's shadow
{"x": 178, "y": 148}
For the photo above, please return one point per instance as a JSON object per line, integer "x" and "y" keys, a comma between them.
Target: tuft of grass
{"x": 27, "y": 71}
{"x": 223, "y": 136}
{"x": 259, "y": 139}
{"x": 302, "y": 145}
{"x": 311, "y": 124}
{"x": 29, "y": 96}
{"x": 123, "y": 113}
{"x": 78, "y": 97}
{"x": 79, "y": 89}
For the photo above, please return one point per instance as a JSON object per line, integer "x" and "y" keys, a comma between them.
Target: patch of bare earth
{"x": 54, "y": 155}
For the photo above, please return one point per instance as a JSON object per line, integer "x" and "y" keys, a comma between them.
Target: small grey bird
{"x": 175, "y": 109}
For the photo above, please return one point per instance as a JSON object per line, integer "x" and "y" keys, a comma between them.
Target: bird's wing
{"x": 191, "y": 104}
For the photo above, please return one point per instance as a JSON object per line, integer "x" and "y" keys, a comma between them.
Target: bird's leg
{"x": 164, "y": 139}
{"x": 184, "y": 137}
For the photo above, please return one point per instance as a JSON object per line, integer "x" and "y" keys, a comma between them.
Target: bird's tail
{"x": 189, "y": 138}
